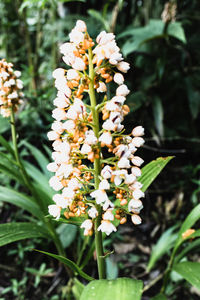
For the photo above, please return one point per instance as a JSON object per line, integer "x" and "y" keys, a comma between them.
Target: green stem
{"x": 97, "y": 167}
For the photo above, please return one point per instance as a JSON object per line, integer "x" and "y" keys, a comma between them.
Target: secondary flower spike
{"x": 10, "y": 86}
{"x": 97, "y": 188}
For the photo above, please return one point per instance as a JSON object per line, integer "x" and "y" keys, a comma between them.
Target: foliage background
{"x": 164, "y": 98}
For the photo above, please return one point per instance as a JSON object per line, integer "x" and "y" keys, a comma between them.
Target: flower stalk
{"x": 97, "y": 168}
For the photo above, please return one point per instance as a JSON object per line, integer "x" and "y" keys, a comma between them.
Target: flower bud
{"x": 138, "y": 131}
{"x": 122, "y": 90}
{"x": 118, "y": 78}
{"x": 137, "y": 161}
{"x": 136, "y": 219}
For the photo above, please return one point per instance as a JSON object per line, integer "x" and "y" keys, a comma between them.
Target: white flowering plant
{"x": 98, "y": 180}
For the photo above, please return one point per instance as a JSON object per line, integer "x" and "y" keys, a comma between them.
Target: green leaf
{"x": 159, "y": 297}
{"x": 73, "y": 220}
{"x": 152, "y": 170}
{"x": 175, "y": 29}
{"x": 68, "y": 263}
{"x": 191, "y": 219}
{"x": 111, "y": 268}
{"x": 192, "y": 245}
{"x": 154, "y": 30}
{"x": 39, "y": 157}
{"x": 13, "y": 232}
{"x": 6, "y": 145}
{"x": 118, "y": 289}
{"x": 164, "y": 244}
{"x": 77, "y": 288}
{"x": 98, "y": 16}
{"x": 20, "y": 200}
{"x": 4, "y": 124}
{"x": 11, "y": 172}
{"x": 158, "y": 115}
{"x": 67, "y": 234}
{"x": 190, "y": 271}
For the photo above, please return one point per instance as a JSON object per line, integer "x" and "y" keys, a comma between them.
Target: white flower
{"x": 61, "y": 103}
{"x": 106, "y": 138}
{"x": 107, "y": 204}
{"x": 57, "y": 73}
{"x": 71, "y": 113}
{"x": 65, "y": 169}
{"x": 106, "y": 172}
{"x": 81, "y": 26}
{"x": 59, "y": 114}
{"x": 123, "y": 66}
{"x": 137, "y": 161}
{"x": 55, "y": 183}
{"x": 137, "y": 141}
{"x": 118, "y": 100}
{"x": 129, "y": 179}
{"x": 118, "y": 78}
{"x": 74, "y": 184}
{"x": 78, "y": 64}
{"x": 87, "y": 225}
{"x": 137, "y": 194}
{"x": 104, "y": 37}
{"x": 123, "y": 163}
{"x": 54, "y": 211}
{"x": 52, "y": 167}
{"x": 119, "y": 176}
{"x": 76, "y": 36}
{"x": 19, "y": 84}
{"x": 69, "y": 125}
{"x": 115, "y": 58}
{"x": 136, "y": 171}
{"x": 108, "y": 215}
{"x": 100, "y": 196}
{"x": 67, "y": 48}
{"x": 60, "y": 200}
{"x": 138, "y": 131}
{"x": 104, "y": 185}
{"x": 17, "y": 73}
{"x": 92, "y": 212}
{"x": 64, "y": 147}
{"x": 137, "y": 185}
{"x": 68, "y": 193}
{"x": 102, "y": 87}
{"x": 107, "y": 227}
{"x": 134, "y": 204}
{"x": 86, "y": 149}
{"x": 57, "y": 126}
{"x": 109, "y": 125}
{"x": 122, "y": 90}
{"x": 136, "y": 219}
{"x": 90, "y": 137}
{"x": 72, "y": 75}
{"x": 13, "y": 95}
{"x": 53, "y": 135}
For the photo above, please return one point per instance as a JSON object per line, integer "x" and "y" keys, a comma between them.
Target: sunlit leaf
{"x": 118, "y": 289}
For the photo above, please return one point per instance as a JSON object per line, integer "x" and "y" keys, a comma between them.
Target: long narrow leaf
{"x": 191, "y": 219}
{"x": 20, "y": 200}
{"x": 164, "y": 244}
{"x": 6, "y": 145}
{"x": 13, "y": 232}
{"x": 152, "y": 170}
{"x": 74, "y": 267}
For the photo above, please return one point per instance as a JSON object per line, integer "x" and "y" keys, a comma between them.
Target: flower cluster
{"x": 10, "y": 86}
{"x": 96, "y": 169}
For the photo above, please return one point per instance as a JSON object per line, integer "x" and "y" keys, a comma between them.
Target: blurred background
{"x": 161, "y": 41}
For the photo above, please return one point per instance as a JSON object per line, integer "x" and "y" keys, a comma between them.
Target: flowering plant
{"x": 95, "y": 165}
